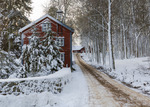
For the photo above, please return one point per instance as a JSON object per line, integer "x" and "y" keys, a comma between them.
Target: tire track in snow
{"x": 121, "y": 94}
{"x": 99, "y": 96}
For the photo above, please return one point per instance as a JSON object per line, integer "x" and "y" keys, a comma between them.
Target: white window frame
{"x": 46, "y": 26}
{"x": 29, "y": 39}
{"x": 60, "y": 41}
{"x": 62, "y": 56}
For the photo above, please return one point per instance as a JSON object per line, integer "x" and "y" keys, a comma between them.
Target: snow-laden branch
{"x": 98, "y": 24}
{"x": 112, "y": 2}
{"x": 101, "y": 15}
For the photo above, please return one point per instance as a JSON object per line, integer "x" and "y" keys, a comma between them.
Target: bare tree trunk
{"x": 111, "y": 60}
{"x": 124, "y": 40}
{"x": 136, "y": 44}
{"x": 103, "y": 53}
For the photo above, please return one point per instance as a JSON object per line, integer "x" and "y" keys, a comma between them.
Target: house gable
{"x": 43, "y": 18}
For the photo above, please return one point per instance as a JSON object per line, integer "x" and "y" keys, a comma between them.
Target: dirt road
{"x": 106, "y": 92}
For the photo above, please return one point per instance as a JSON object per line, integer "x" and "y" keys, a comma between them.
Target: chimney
{"x": 60, "y": 15}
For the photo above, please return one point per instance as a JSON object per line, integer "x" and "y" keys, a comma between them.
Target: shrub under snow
{"x": 10, "y": 66}
{"x": 53, "y": 83}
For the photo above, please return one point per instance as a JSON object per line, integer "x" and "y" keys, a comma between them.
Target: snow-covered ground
{"x": 134, "y": 72}
{"x": 75, "y": 94}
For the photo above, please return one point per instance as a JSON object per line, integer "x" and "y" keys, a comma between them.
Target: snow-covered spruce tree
{"x": 41, "y": 55}
{"x": 16, "y": 47}
{"x": 51, "y": 52}
{"x": 12, "y": 18}
{"x": 10, "y": 66}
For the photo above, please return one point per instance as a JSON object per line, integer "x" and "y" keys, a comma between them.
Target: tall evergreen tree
{"x": 42, "y": 54}
{"x": 12, "y": 16}
{"x": 10, "y": 67}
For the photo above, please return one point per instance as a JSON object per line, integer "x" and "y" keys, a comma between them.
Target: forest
{"x": 120, "y": 27}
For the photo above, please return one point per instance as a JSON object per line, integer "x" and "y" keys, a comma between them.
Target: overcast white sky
{"x": 38, "y": 9}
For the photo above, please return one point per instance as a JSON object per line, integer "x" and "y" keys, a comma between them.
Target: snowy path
{"x": 105, "y": 92}
{"x": 98, "y": 95}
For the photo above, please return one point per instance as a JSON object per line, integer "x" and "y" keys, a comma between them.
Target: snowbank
{"x": 45, "y": 99}
{"x": 134, "y": 72}
{"x": 52, "y": 83}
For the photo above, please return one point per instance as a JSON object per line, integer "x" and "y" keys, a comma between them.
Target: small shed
{"x": 78, "y": 49}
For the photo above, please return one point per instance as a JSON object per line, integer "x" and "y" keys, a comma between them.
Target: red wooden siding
{"x": 61, "y": 32}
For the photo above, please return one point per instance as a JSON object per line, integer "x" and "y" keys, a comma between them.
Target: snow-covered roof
{"x": 74, "y": 48}
{"x": 36, "y": 21}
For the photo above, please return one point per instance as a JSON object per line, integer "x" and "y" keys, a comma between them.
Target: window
{"x": 59, "y": 30}
{"x": 46, "y": 26}
{"x": 29, "y": 39}
{"x": 60, "y": 41}
{"x": 62, "y": 56}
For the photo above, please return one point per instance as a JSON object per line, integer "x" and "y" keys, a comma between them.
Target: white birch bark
{"x": 111, "y": 61}
{"x": 136, "y": 43}
{"x": 103, "y": 53}
{"x": 124, "y": 40}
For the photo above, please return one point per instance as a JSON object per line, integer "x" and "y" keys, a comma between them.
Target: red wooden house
{"x": 63, "y": 35}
